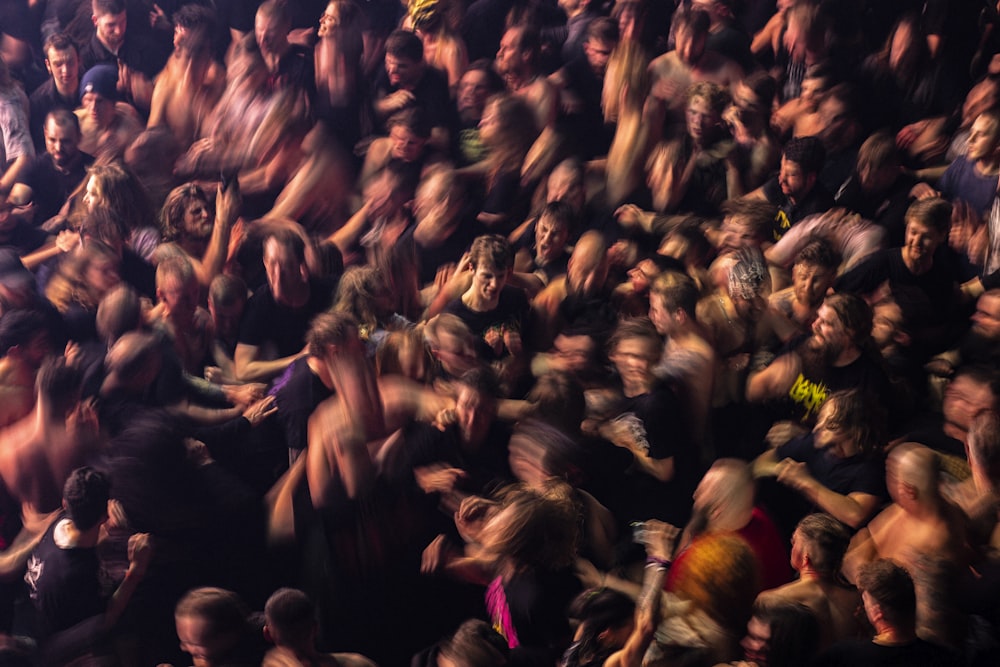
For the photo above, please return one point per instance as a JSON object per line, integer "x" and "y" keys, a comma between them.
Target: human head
{"x": 23, "y": 334}
{"x": 558, "y": 400}
{"x": 536, "y": 529}
{"x": 120, "y": 311}
{"x": 746, "y": 223}
{"x": 984, "y": 136}
{"x": 753, "y": 96}
{"x": 409, "y": 131}
{"x": 673, "y": 298}
{"x": 888, "y": 594}
{"x": 588, "y": 265}
{"x": 476, "y": 403}
{"x": 565, "y": 184}
{"x": 285, "y": 264}
{"x": 58, "y": 385}
{"x": 634, "y": 348}
{"x": 134, "y": 361}
{"x": 271, "y": 26}
{"x": 691, "y": 34}
{"x": 601, "y": 40}
{"x": 606, "y": 618}
{"x": 780, "y": 633}
{"x": 552, "y": 231}
{"x": 986, "y": 319}
{"x": 911, "y": 474}
{"x": 451, "y": 343}
{"x": 852, "y": 416}
{"x": 186, "y": 213}
{"x": 819, "y": 542}
{"x": 801, "y": 161}
{"x": 972, "y": 390}
{"x": 85, "y": 498}
{"x": 290, "y": 619}
{"x": 331, "y": 330}
{"x": 843, "y": 320}
{"x": 492, "y": 261}
{"x": 507, "y": 127}
{"x": 17, "y": 284}
{"x": 404, "y": 59}
{"x": 983, "y": 451}
{"x": 705, "y": 103}
{"x": 177, "y": 288}
{"x": 520, "y": 48}
{"x": 98, "y": 93}
{"x": 364, "y": 292}
{"x": 474, "y": 644}
{"x": 479, "y": 82}
{"x": 578, "y": 350}
{"x": 211, "y": 624}
{"x": 62, "y": 137}
{"x": 878, "y": 162}
{"x": 927, "y": 224}
{"x": 837, "y": 113}
{"x": 749, "y": 283}
{"x": 906, "y": 47}
{"x": 62, "y": 60}
{"x": 227, "y": 296}
{"x": 814, "y": 271}
{"x": 723, "y": 497}
{"x": 815, "y": 82}
{"x": 194, "y": 27}
{"x": 110, "y": 21}
{"x": 84, "y": 276}
{"x": 115, "y": 188}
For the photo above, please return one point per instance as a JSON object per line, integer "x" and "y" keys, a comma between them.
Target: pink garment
{"x": 496, "y": 604}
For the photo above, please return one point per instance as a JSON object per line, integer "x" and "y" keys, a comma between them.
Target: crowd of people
{"x": 490, "y": 333}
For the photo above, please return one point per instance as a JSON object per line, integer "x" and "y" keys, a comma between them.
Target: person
{"x": 606, "y": 619}
{"x": 277, "y": 315}
{"x": 58, "y": 172}
{"x": 923, "y": 532}
{"x": 749, "y": 121}
{"x": 62, "y": 89}
{"x": 290, "y": 624}
{"x": 838, "y": 469}
{"x": 919, "y": 266}
{"x": 407, "y": 80}
{"x": 780, "y": 634}
{"x": 81, "y": 280}
{"x": 688, "y": 358}
{"x": 177, "y": 313}
{"x": 16, "y": 146}
{"x": 478, "y": 84}
{"x": 475, "y": 642}
{"x": 818, "y": 547}
{"x": 227, "y": 298}
{"x": 836, "y": 356}
{"x": 725, "y": 35}
{"x": 187, "y": 90}
{"x": 792, "y": 311}
{"x": 890, "y": 603}
{"x": 214, "y": 630}
{"x": 289, "y": 66}
{"x": 541, "y": 259}
{"x": 972, "y": 178}
{"x": 107, "y": 125}
{"x": 518, "y": 63}
{"x": 24, "y": 344}
{"x": 444, "y": 49}
{"x": 62, "y": 573}
{"x": 796, "y": 190}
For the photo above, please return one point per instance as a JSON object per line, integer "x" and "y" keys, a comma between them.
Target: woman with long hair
{"x": 80, "y": 282}
{"x": 508, "y": 131}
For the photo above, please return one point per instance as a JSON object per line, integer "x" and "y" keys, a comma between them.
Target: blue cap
{"x": 101, "y": 79}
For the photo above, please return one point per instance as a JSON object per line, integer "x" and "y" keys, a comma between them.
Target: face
{"x": 329, "y": 20}
{"x": 737, "y": 232}
{"x": 100, "y": 109}
{"x": 757, "y": 642}
{"x": 474, "y": 413}
{"x": 983, "y": 139}
{"x": 226, "y": 319}
{"x": 810, "y": 283}
{"x": 794, "y": 182}
{"x": 197, "y": 221}
{"x": 402, "y": 72}
{"x": 746, "y": 101}
{"x": 702, "y": 121}
{"x": 829, "y": 332}
{"x": 61, "y": 143}
{"x": 92, "y": 195}
{"x": 64, "y": 66}
{"x": 660, "y": 315}
{"x": 812, "y": 90}
{"x": 986, "y": 319}
{"x": 285, "y": 275}
{"x": 179, "y": 299}
{"x": 690, "y": 48}
{"x": 634, "y": 359}
{"x": 111, "y": 29}
{"x": 270, "y": 33}
{"x": 473, "y": 91}
{"x": 887, "y": 323}
{"x": 828, "y": 433}
{"x": 550, "y": 239}
{"x": 566, "y": 184}
{"x": 102, "y": 275}
{"x": 921, "y": 241}
{"x": 455, "y": 355}
{"x": 575, "y": 352}
{"x": 196, "y": 640}
{"x": 964, "y": 399}
{"x": 642, "y": 275}
{"x": 406, "y": 145}
{"x": 598, "y": 54}
{"x": 509, "y": 56}
{"x": 487, "y": 281}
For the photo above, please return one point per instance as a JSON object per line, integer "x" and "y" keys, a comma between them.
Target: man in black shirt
{"x": 56, "y": 173}
{"x": 62, "y": 90}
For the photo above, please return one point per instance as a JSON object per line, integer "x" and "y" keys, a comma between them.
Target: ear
{"x": 267, "y": 635}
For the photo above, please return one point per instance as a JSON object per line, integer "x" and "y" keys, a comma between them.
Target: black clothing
{"x": 297, "y": 392}
{"x": 266, "y": 322}
{"x": 431, "y": 93}
{"x": 52, "y": 187}
{"x": 819, "y": 200}
{"x": 886, "y": 209}
{"x": 511, "y": 314}
{"x": 853, "y": 653}
{"x": 45, "y": 99}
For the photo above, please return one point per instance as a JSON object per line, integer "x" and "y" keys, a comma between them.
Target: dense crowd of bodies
{"x": 499, "y": 332}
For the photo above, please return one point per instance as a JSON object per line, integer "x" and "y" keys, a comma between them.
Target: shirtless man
{"x": 191, "y": 84}
{"x": 924, "y": 533}
{"x": 675, "y": 71}
{"x": 107, "y": 127}
{"x": 24, "y": 344}
{"x": 517, "y": 63}
{"x": 290, "y": 623}
{"x": 818, "y": 547}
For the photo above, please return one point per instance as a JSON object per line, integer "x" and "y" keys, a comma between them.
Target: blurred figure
{"x": 290, "y": 624}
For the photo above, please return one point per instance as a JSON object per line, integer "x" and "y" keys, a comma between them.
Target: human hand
{"x": 67, "y": 240}
{"x": 661, "y": 539}
{"x": 781, "y": 432}
{"x": 909, "y": 134}
{"x": 794, "y": 474}
{"x": 140, "y": 553}
{"x": 398, "y": 100}
{"x": 261, "y": 410}
{"x": 438, "y": 478}
{"x": 242, "y": 395}
{"x": 82, "y": 423}
{"x": 214, "y": 374}
{"x": 228, "y": 201}
{"x": 630, "y": 215}
{"x": 588, "y": 574}
{"x": 435, "y": 555}
{"x": 472, "y": 515}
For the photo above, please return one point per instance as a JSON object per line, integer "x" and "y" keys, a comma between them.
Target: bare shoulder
{"x": 351, "y": 660}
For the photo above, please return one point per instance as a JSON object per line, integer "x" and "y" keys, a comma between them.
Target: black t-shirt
{"x": 854, "y": 474}
{"x": 819, "y": 200}
{"x": 511, "y": 314}
{"x": 814, "y": 385}
{"x": 431, "y": 93}
{"x": 857, "y": 652}
{"x": 430, "y": 259}
{"x": 45, "y": 99}
{"x": 297, "y": 392}
{"x": 266, "y": 322}
{"x": 63, "y": 582}
{"x": 25, "y": 238}
{"x": 52, "y": 187}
